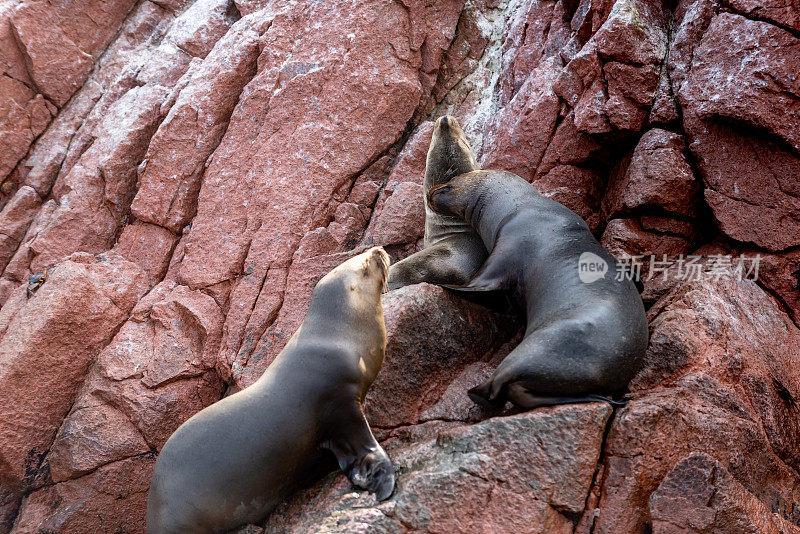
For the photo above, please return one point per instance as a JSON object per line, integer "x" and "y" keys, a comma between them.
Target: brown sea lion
{"x": 586, "y": 328}
{"x": 453, "y": 251}
{"x": 233, "y": 462}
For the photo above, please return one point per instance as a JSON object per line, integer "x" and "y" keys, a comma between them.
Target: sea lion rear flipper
{"x": 482, "y": 396}
{"x": 527, "y": 399}
{"x": 361, "y": 457}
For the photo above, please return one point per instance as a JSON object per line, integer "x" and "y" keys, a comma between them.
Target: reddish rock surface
{"x": 185, "y": 171}
{"x": 657, "y": 177}
{"x": 700, "y": 495}
{"x": 526, "y": 473}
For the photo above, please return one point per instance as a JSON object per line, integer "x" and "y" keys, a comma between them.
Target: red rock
{"x": 296, "y": 136}
{"x": 407, "y": 174}
{"x": 626, "y": 237}
{"x": 700, "y": 495}
{"x": 348, "y": 223}
{"x": 631, "y": 91}
{"x": 633, "y": 33}
{"x": 655, "y": 431}
{"x": 275, "y": 315}
{"x": 748, "y": 222}
{"x": 615, "y": 91}
{"x": 535, "y": 32}
{"x": 77, "y": 449}
{"x": 155, "y": 374}
{"x": 656, "y": 176}
{"x": 179, "y": 150}
{"x": 402, "y": 219}
{"x": 410, "y": 163}
{"x": 578, "y": 75}
{"x": 745, "y": 70}
{"x": 780, "y": 274}
{"x": 187, "y": 330}
{"x": 49, "y": 344}
{"x": 519, "y": 134}
{"x": 15, "y": 219}
{"x": 525, "y": 473}
{"x": 199, "y": 28}
{"x": 60, "y": 42}
{"x": 454, "y": 404}
{"x": 176, "y": 6}
{"x": 51, "y": 149}
{"x": 432, "y": 27}
{"x": 462, "y": 57}
{"x": 781, "y": 13}
{"x": 362, "y": 110}
{"x": 576, "y": 188}
{"x": 104, "y": 175}
{"x": 149, "y": 246}
{"x": 25, "y": 115}
{"x": 668, "y": 225}
{"x": 41, "y": 167}
{"x": 747, "y": 210}
{"x": 12, "y": 62}
{"x": 111, "y": 499}
{"x": 568, "y": 147}
{"x": 719, "y": 352}
{"x": 665, "y": 108}
{"x": 17, "y": 268}
{"x": 432, "y": 336}
{"x": 692, "y": 18}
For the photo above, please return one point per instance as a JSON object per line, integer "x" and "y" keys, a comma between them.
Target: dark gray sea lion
{"x": 233, "y": 462}
{"x": 586, "y": 330}
{"x": 453, "y": 252}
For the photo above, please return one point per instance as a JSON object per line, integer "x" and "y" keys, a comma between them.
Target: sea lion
{"x": 586, "y": 329}
{"x": 234, "y": 461}
{"x": 452, "y": 251}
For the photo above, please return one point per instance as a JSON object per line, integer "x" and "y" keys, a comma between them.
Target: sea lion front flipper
{"x": 374, "y": 472}
{"x": 360, "y": 456}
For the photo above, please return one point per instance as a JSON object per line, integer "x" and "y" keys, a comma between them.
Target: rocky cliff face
{"x": 182, "y": 173}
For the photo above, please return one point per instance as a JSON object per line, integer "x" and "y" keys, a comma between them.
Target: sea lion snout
{"x": 381, "y": 259}
{"x": 444, "y": 121}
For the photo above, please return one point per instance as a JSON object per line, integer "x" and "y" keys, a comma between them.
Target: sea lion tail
{"x": 613, "y": 402}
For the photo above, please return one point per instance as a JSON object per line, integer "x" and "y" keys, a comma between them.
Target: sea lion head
{"x": 358, "y": 282}
{"x": 449, "y": 153}
{"x": 482, "y": 198}
{"x": 453, "y": 198}
{"x": 346, "y": 307}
